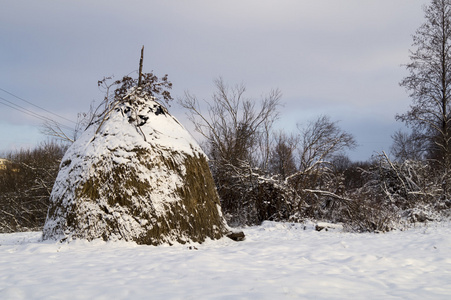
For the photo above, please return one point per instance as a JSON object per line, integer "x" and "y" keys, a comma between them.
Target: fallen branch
{"x": 329, "y": 194}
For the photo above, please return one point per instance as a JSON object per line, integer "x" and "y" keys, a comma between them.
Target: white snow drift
{"x": 276, "y": 261}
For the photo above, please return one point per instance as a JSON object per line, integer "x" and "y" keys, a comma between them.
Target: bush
{"x": 25, "y": 186}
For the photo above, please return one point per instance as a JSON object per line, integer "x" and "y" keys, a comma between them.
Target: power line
{"x": 31, "y": 113}
{"x": 24, "y": 110}
{"x": 36, "y": 106}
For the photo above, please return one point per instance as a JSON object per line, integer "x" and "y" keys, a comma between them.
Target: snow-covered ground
{"x": 276, "y": 261}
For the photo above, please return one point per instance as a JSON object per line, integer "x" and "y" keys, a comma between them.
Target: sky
{"x": 341, "y": 58}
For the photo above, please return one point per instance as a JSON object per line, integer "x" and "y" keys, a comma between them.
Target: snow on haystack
{"x": 135, "y": 174}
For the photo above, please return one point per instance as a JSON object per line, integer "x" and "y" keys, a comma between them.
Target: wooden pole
{"x": 140, "y": 67}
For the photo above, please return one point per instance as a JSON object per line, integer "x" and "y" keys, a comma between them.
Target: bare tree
{"x": 233, "y": 124}
{"x": 237, "y": 130}
{"x": 429, "y": 82}
{"x": 282, "y": 157}
{"x": 317, "y": 183}
{"x": 320, "y": 141}
{"x": 408, "y": 146}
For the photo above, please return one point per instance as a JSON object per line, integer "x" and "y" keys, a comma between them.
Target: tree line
{"x": 264, "y": 174}
{"x": 26, "y": 184}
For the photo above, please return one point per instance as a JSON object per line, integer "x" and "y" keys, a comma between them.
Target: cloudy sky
{"x": 340, "y": 58}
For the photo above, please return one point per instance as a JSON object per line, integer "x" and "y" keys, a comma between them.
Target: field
{"x": 276, "y": 261}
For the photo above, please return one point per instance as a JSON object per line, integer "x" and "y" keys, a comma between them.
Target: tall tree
{"x": 233, "y": 124}
{"x": 429, "y": 82}
{"x": 282, "y": 160}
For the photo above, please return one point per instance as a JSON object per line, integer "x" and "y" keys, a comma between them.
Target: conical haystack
{"x": 136, "y": 175}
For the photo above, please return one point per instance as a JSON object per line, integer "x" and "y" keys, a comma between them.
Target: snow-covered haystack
{"x": 137, "y": 175}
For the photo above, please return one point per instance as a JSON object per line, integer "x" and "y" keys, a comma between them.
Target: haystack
{"x": 137, "y": 175}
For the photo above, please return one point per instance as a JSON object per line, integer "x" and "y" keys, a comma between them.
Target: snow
{"x": 276, "y": 261}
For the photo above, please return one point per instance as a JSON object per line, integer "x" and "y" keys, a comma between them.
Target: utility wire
{"x": 22, "y": 111}
{"x": 31, "y": 113}
{"x": 36, "y": 106}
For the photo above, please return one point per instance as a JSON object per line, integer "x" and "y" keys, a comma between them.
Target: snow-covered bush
{"x": 250, "y": 197}
{"x": 411, "y": 186}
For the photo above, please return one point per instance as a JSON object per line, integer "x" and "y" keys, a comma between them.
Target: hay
{"x": 118, "y": 183}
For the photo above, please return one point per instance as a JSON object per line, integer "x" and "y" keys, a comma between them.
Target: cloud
{"x": 328, "y": 57}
